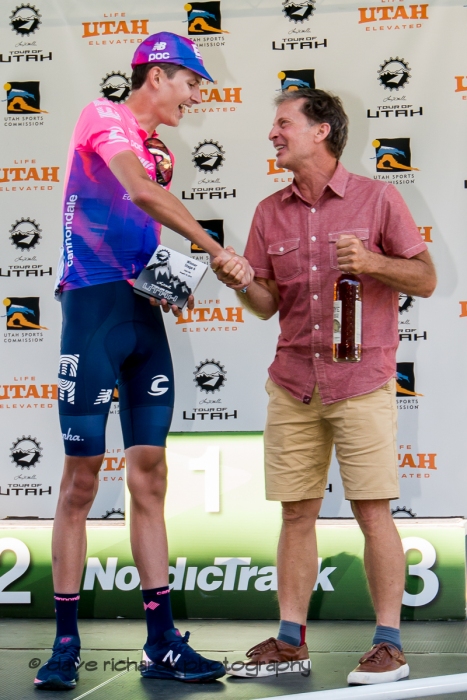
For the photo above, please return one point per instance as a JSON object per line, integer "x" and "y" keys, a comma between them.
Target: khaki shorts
{"x": 298, "y": 442}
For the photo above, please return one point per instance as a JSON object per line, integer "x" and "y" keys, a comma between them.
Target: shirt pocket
{"x": 285, "y": 259}
{"x": 362, "y": 233}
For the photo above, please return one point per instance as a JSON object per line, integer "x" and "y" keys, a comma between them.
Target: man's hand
{"x": 166, "y": 307}
{"x": 352, "y": 256}
{"x": 232, "y": 269}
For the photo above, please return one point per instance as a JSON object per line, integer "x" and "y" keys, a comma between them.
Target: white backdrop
{"x": 399, "y": 69}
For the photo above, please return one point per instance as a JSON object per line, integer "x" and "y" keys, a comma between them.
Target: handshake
{"x": 231, "y": 269}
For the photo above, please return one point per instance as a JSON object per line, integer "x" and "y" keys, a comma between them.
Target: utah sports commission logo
{"x": 298, "y": 11}
{"x": 22, "y": 313}
{"x": 208, "y": 156}
{"x": 405, "y": 379}
{"x": 26, "y": 452}
{"x": 204, "y": 18}
{"x": 214, "y": 228}
{"x": 295, "y": 79}
{"x": 23, "y": 98}
{"x": 25, "y": 19}
{"x": 210, "y": 376}
{"x": 394, "y": 74}
{"x": 115, "y": 87}
{"x": 392, "y": 155}
{"x": 25, "y": 234}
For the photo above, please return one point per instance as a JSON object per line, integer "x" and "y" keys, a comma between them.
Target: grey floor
{"x": 432, "y": 649}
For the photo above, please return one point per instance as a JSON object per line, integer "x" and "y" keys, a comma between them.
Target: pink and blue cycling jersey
{"x": 107, "y": 238}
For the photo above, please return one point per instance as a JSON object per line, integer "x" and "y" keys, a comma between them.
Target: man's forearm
{"x": 413, "y": 276}
{"x": 259, "y": 300}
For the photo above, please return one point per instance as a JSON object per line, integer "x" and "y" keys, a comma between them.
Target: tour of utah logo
{"x": 25, "y": 234}
{"x": 296, "y": 79}
{"x": 393, "y": 157}
{"x": 26, "y": 452}
{"x": 208, "y": 156}
{"x": 115, "y": 87}
{"x": 204, "y": 18}
{"x": 210, "y": 376}
{"x": 25, "y": 19}
{"x": 394, "y": 74}
{"x": 298, "y": 11}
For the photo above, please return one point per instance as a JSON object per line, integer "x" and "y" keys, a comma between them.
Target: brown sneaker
{"x": 272, "y": 658}
{"x": 382, "y": 664}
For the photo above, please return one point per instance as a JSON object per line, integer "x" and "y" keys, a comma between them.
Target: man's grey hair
{"x": 321, "y": 107}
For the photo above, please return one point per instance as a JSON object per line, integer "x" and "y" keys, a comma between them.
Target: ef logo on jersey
{"x": 156, "y": 388}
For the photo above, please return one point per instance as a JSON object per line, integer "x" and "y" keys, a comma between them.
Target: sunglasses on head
{"x": 162, "y": 159}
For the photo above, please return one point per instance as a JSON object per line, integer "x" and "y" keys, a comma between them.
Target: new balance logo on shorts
{"x": 104, "y": 396}
{"x": 69, "y": 369}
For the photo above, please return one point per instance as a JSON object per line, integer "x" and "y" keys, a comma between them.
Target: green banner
{"x": 222, "y": 538}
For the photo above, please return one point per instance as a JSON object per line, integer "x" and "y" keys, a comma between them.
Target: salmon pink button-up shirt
{"x": 294, "y": 243}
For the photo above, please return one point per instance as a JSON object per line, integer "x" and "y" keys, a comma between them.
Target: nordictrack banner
{"x": 401, "y": 71}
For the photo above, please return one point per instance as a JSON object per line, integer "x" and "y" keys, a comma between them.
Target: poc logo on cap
{"x": 158, "y": 56}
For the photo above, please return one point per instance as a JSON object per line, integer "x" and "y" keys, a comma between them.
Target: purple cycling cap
{"x": 166, "y": 47}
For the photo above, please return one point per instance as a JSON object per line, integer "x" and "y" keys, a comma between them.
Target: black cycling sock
{"x": 158, "y": 613}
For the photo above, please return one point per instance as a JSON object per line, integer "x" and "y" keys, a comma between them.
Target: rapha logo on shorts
{"x": 394, "y": 74}
{"x": 25, "y": 19}
{"x": 296, "y": 79}
{"x": 156, "y": 388}
{"x": 208, "y": 156}
{"x": 67, "y": 378}
{"x": 116, "y": 87}
{"x": 204, "y": 18}
{"x": 23, "y": 97}
{"x": 210, "y": 376}
{"x": 26, "y": 452}
{"x": 25, "y": 234}
{"x": 298, "y": 11}
{"x": 72, "y": 438}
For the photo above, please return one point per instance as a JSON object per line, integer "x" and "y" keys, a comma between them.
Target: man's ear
{"x": 322, "y": 132}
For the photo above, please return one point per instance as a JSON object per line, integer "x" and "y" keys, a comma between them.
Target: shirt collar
{"x": 337, "y": 184}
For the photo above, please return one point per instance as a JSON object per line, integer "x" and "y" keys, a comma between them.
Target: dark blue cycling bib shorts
{"x": 113, "y": 337}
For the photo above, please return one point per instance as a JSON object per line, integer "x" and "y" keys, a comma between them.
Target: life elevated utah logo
{"x": 116, "y": 87}
{"x": 393, "y": 156}
{"x": 25, "y": 19}
{"x": 208, "y": 156}
{"x": 298, "y": 11}
{"x": 26, "y": 452}
{"x": 25, "y": 234}
{"x": 392, "y": 18}
{"x": 22, "y": 314}
{"x": 296, "y": 79}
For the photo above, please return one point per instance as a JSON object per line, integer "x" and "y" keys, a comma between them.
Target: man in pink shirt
{"x": 302, "y": 238}
{"x": 116, "y": 199}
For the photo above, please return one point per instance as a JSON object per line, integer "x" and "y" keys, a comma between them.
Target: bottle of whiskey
{"x": 347, "y": 319}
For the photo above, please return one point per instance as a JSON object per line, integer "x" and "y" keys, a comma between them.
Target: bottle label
{"x": 358, "y": 322}
{"x": 337, "y": 323}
